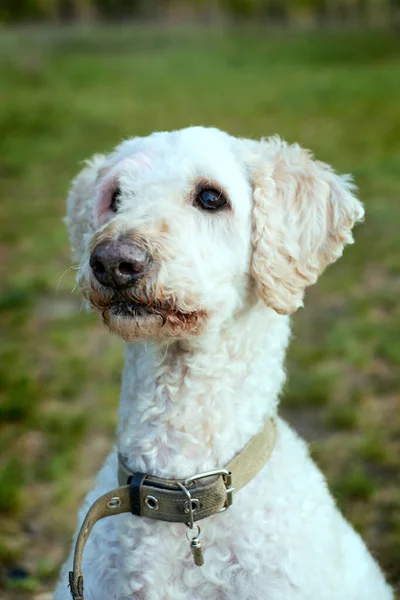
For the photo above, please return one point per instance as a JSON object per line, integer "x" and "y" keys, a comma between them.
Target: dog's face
{"x": 178, "y": 232}
{"x": 168, "y": 249}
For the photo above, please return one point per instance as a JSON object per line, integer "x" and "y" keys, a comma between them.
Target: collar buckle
{"x": 227, "y": 479}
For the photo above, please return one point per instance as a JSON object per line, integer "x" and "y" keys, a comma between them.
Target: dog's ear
{"x": 303, "y": 216}
{"x": 79, "y": 219}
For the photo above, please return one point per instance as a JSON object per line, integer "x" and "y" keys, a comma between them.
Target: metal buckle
{"x": 188, "y": 504}
{"x": 226, "y": 476}
{"x": 194, "y": 503}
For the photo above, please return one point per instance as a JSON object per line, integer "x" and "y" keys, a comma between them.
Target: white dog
{"x": 195, "y": 246}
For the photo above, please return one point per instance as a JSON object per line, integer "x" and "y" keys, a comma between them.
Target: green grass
{"x": 67, "y": 94}
{"x": 341, "y": 416}
{"x": 355, "y": 485}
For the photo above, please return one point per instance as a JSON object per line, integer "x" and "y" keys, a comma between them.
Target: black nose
{"x": 118, "y": 264}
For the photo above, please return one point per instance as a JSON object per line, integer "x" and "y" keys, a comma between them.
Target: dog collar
{"x": 175, "y": 500}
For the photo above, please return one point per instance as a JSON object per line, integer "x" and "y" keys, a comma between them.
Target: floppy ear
{"x": 303, "y": 216}
{"x": 79, "y": 219}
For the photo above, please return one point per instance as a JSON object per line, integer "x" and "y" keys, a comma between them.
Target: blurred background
{"x": 77, "y": 76}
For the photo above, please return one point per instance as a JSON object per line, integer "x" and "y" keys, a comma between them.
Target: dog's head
{"x": 178, "y": 232}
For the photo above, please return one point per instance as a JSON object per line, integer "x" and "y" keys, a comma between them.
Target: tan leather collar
{"x": 175, "y": 500}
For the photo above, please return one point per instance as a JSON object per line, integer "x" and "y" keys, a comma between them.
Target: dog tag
{"x": 197, "y": 551}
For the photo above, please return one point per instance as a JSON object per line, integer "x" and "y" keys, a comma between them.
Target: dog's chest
{"x": 143, "y": 559}
{"x": 150, "y": 560}
{"x": 272, "y": 543}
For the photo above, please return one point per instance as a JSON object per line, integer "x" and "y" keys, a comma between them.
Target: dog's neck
{"x": 190, "y": 406}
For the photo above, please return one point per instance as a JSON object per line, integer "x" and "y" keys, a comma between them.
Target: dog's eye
{"x": 115, "y": 200}
{"x": 210, "y": 199}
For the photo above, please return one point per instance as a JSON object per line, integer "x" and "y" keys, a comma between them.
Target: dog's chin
{"x": 133, "y": 325}
{"x": 133, "y": 321}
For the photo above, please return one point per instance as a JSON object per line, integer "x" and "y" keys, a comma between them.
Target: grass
{"x": 67, "y": 94}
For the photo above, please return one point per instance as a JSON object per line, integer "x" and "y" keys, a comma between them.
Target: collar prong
{"x": 189, "y": 500}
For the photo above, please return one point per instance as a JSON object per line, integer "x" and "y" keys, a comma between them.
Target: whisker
{"x": 82, "y": 289}
{"x": 165, "y": 355}
{"x": 74, "y": 288}
{"x": 73, "y": 268}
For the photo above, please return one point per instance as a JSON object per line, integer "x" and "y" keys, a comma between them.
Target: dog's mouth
{"x": 124, "y": 308}
{"x": 142, "y": 315}
{"x": 165, "y": 314}
{"x": 129, "y": 308}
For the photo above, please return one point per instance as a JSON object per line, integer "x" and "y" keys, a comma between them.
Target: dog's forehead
{"x": 202, "y": 143}
{"x": 195, "y": 141}
{"x": 203, "y": 152}
{"x": 183, "y": 156}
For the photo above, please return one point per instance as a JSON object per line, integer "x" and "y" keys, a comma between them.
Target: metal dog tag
{"x": 196, "y": 547}
{"x": 197, "y": 552}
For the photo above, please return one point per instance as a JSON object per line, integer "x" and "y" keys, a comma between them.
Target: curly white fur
{"x": 196, "y": 389}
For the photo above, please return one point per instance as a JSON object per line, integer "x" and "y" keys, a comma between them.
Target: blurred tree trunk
{"x": 341, "y": 11}
{"x": 322, "y": 12}
{"x": 362, "y": 10}
{"x": 66, "y": 10}
{"x": 394, "y": 13}
{"x": 118, "y": 10}
{"x": 277, "y": 12}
